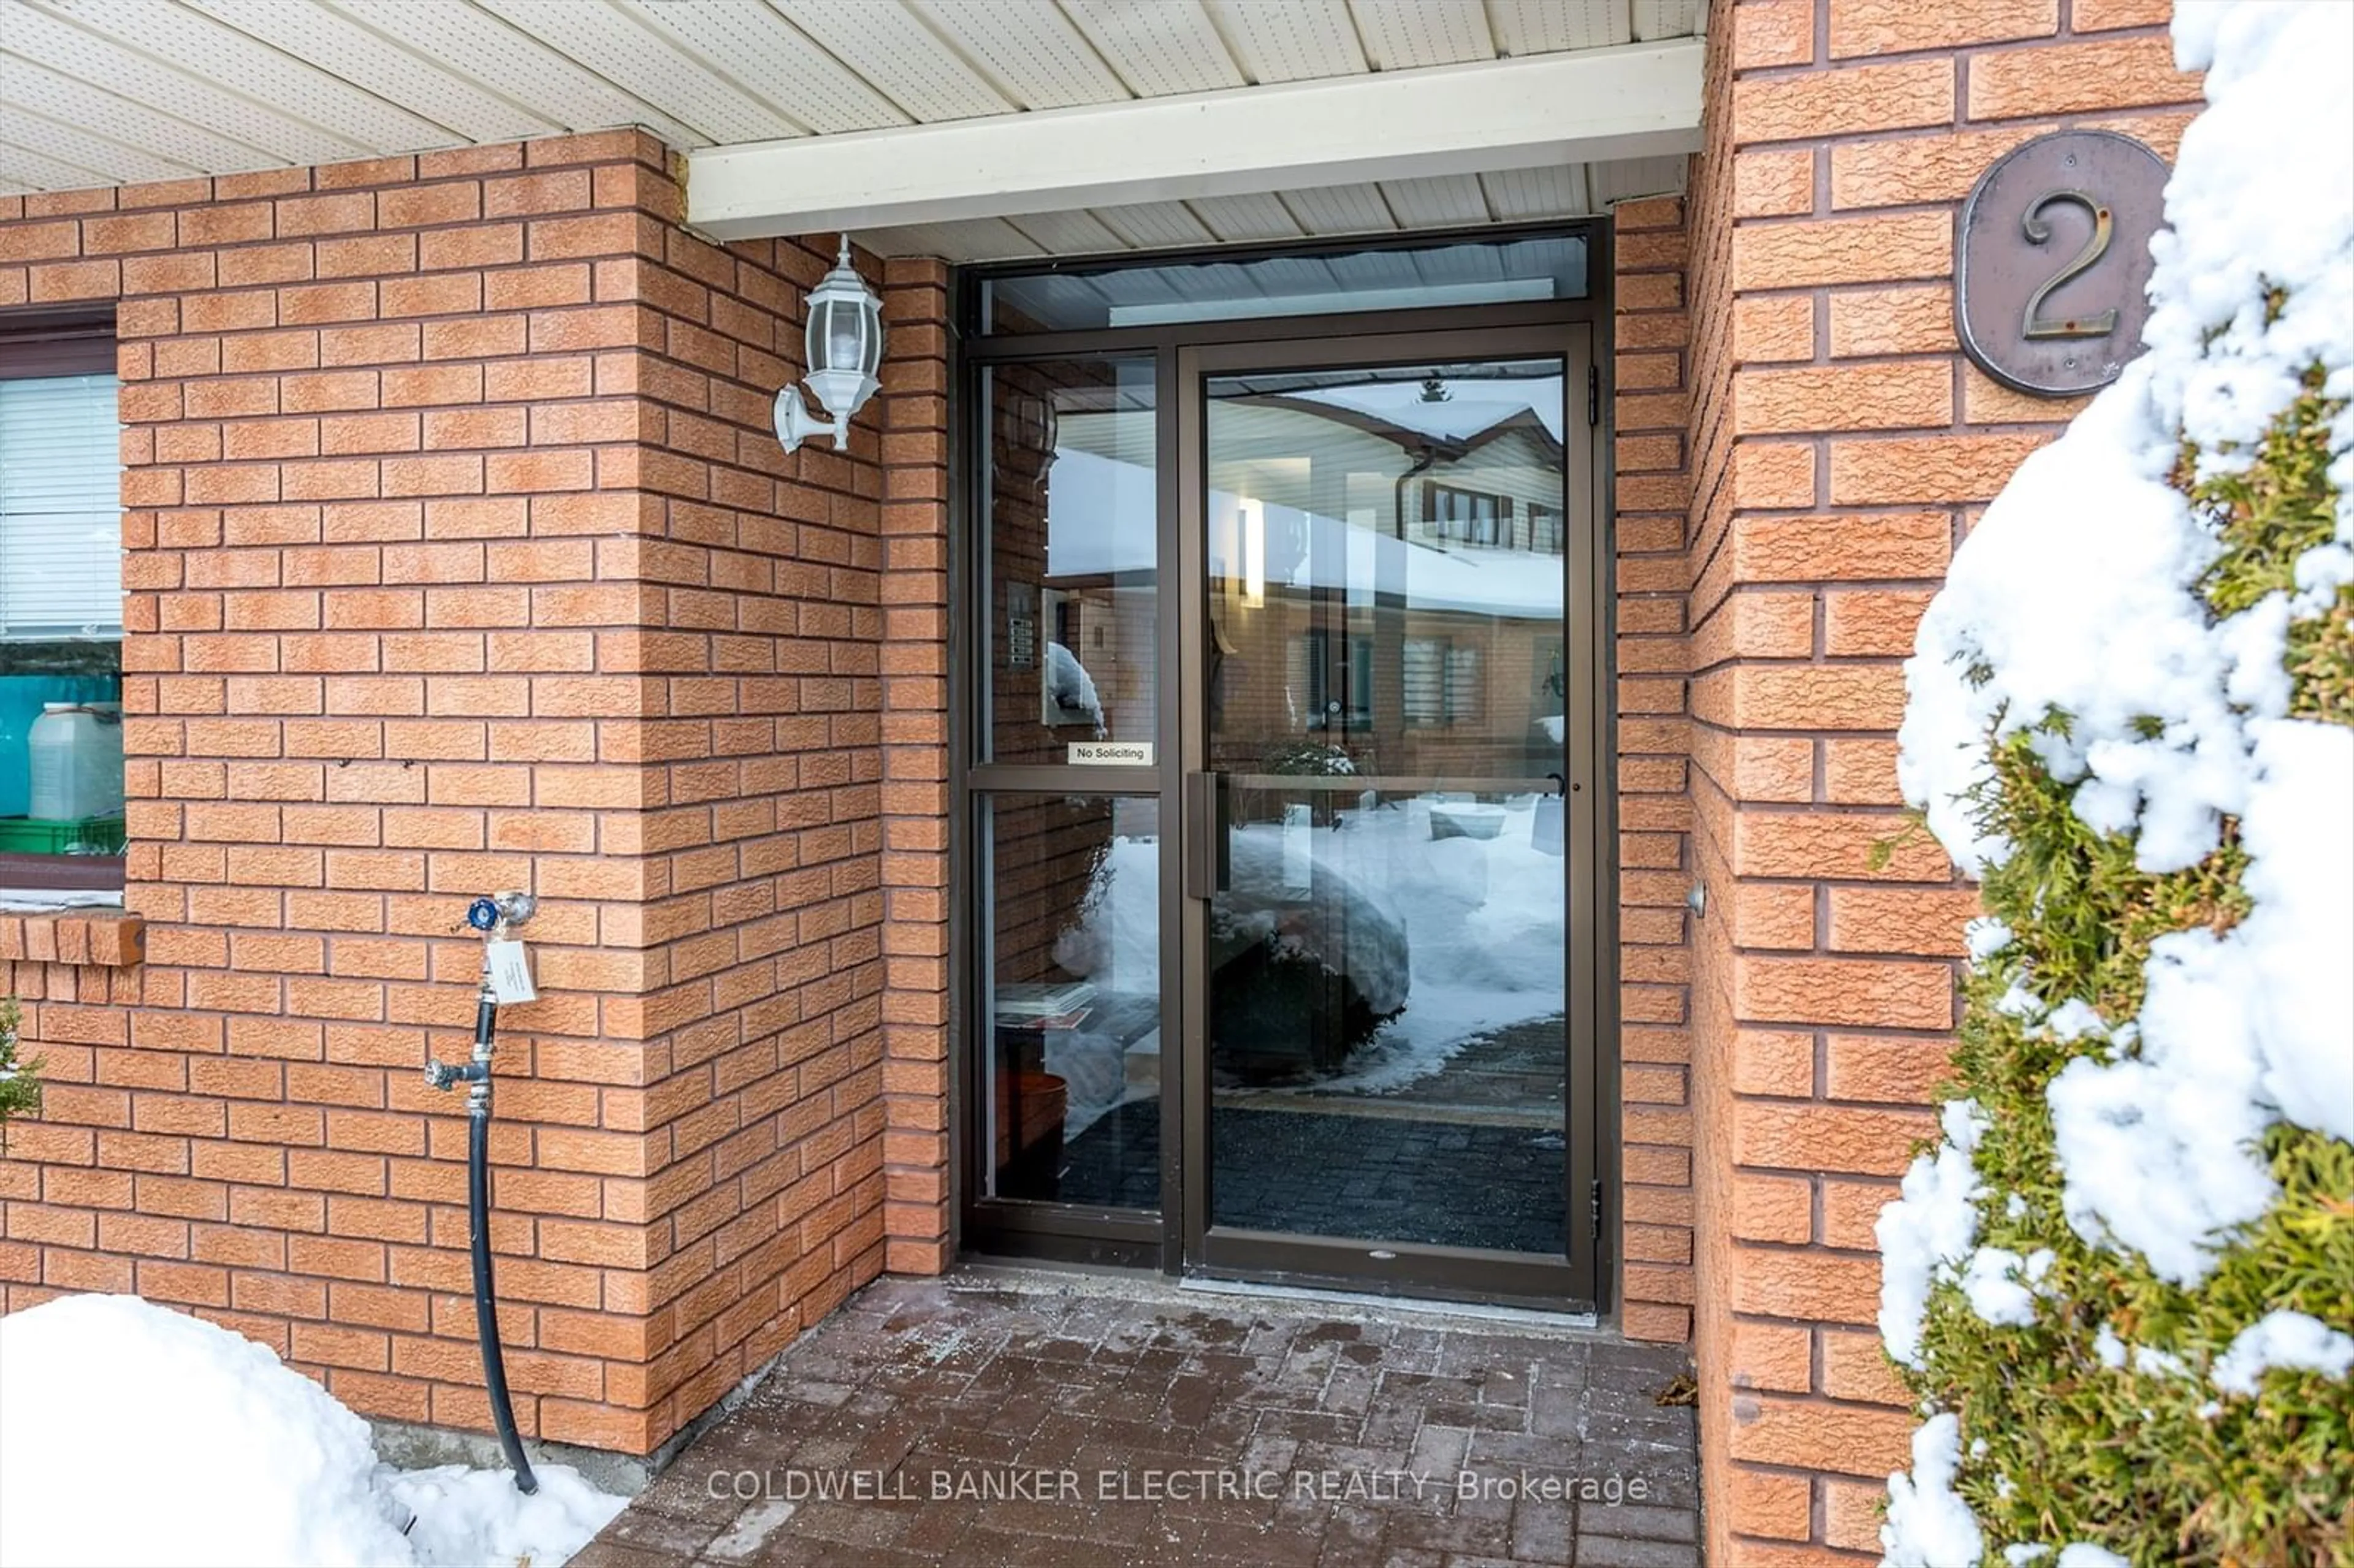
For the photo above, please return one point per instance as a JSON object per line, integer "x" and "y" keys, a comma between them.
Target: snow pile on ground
{"x": 1483, "y": 922}
{"x": 466, "y": 1517}
{"x": 1349, "y": 923}
{"x": 2079, "y": 592}
{"x": 131, "y": 1435}
{"x": 1485, "y": 932}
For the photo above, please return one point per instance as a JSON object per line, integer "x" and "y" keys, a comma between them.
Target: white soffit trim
{"x": 1631, "y": 102}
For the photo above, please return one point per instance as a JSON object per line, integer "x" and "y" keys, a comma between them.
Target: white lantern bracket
{"x": 795, "y": 423}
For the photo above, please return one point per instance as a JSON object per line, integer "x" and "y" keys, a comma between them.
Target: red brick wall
{"x": 1651, "y": 327}
{"x": 1841, "y": 448}
{"x": 460, "y": 556}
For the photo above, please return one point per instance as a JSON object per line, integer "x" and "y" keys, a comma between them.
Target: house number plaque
{"x": 2053, "y": 264}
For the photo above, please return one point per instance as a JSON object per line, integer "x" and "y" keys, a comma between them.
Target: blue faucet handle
{"x": 483, "y": 913}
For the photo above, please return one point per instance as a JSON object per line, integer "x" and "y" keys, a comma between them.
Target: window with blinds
{"x": 1426, "y": 680}
{"x": 1545, "y": 532}
{"x": 1442, "y": 682}
{"x": 1464, "y": 690}
{"x": 1468, "y": 516}
{"x": 60, "y": 509}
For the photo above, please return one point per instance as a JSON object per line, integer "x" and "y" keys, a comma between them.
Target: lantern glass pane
{"x": 845, "y": 347}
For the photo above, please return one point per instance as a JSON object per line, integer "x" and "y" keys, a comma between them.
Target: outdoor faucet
{"x": 494, "y": 916}
{"x": 492, "y": 913}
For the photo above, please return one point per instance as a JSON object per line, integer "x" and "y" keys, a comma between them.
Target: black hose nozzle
{"x": 448, "y": 1074}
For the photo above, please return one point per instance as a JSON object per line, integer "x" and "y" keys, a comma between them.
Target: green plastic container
{"x": 91, "y": 835}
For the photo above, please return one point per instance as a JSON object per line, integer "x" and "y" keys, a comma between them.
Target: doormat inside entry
{"x": 1393, "y": 1179}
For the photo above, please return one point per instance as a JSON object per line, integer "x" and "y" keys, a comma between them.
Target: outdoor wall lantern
{"x": 844, "y": 348}
{"x": 1035, "y": 426}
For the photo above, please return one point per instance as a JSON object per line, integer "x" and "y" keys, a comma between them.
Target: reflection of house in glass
{"x": 1384, "y": 684}
{"x": 1071, "y": 557}
{"x": 1386, "y": 553}
{"x": 1385, "y": 588}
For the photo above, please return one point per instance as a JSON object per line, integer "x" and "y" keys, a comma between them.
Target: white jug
{"x": 76, "y": 756}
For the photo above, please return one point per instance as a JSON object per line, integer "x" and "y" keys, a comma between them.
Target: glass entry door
{"x": 1387, "y": 797}
{"x": 1280, "y": 833}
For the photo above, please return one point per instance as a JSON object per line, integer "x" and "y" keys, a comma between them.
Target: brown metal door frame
{"x": 1577, "y": 1281}
{"x": 1135, "y": 1238}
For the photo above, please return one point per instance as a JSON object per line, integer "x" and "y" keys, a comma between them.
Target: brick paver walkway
{"x": 1036, "y": 1421}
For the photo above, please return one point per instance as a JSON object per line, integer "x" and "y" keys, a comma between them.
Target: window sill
{"x": 60, "y": 872}
{"x": 108, "y": 939}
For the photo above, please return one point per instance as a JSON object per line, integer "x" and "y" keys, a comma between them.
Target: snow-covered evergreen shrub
{"x": 2122, "y": 1283}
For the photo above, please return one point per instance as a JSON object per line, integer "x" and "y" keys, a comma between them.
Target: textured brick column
{"x": 916, "y": 1071}
{"x": 1649, "y": 410}
{"x": 761, "y": 1119}
{"x": 1841, "y": 447}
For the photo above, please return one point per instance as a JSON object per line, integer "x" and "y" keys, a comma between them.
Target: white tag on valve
{"x": 508, "y": 966}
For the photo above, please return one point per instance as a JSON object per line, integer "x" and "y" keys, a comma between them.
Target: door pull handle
{"x": 1207, "y": 863}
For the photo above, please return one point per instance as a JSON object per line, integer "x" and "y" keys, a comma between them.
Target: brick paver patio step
{"x": 1004, "y": 1420}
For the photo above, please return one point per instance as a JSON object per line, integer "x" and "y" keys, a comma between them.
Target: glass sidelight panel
{"x": 1071, "y": 1107}
{"x": 1386, "y": 724}
{"x": 1071, "y": 512}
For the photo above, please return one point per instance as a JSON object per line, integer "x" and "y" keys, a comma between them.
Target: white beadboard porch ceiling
{"x": 96, "y": 92}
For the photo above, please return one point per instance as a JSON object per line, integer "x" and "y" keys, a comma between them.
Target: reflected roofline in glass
{"x": 1311, "y": 278}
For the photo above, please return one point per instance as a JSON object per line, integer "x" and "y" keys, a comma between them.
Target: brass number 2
{"x": 2035, "y": 323}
